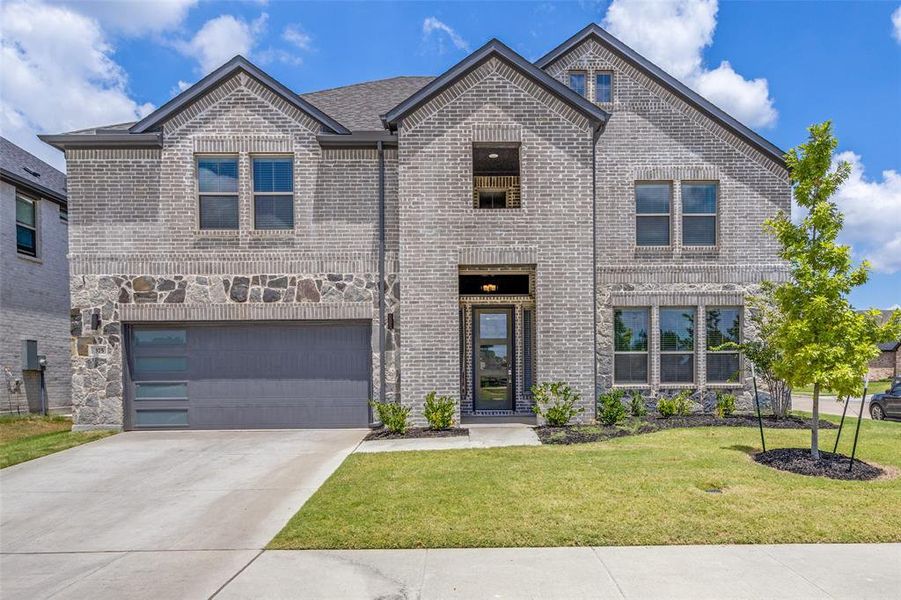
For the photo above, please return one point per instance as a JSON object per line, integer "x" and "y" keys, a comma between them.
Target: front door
{"x": 493, "y": 341}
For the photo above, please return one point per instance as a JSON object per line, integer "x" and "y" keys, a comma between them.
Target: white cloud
{"x": 134, "y": 17}
{"x": 222, "y": 38}
{"x": 430, "y": 25}
{"x": 872, "y": 211}
{"x": 674, "y": 35}
{"x": 58, "y": 75}
{"x": 896, "y": 24}
{"x": 296, "y": 36}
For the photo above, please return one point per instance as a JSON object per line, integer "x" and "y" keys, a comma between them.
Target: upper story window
{"x": 273, "y": 192}
{"x": 723, "y": 326}
{"x": 699, "y": 201}
{"x": 652, "y": 214}
{"x": 578, "y": 82}
{"x": 603, "y": 87}
{"x": 63, "y": 213}
{"x": 630, "y": 345}
{"x": 495, "y": 176}
{"x": 677, "y": 344}
{"x": 217, "y": 189}
{"x": 26, "y": 225}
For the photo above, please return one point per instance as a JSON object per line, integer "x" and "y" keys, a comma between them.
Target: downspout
{"x": 382, "y": 287}
{"x": 594, "y": 258}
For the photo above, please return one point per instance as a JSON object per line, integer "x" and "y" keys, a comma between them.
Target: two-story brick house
{"x": 249, "y": 257}
{"x": 34, "y": 284}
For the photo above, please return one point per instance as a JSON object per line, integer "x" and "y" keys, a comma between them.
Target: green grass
{"x": 28, "y": 437}
{"x": 875, "y": 387}
{"x": 645, "y": 489}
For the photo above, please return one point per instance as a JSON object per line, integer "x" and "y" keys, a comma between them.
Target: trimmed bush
{"x": 636, "y": 405}
{"x": 683, "y": 403}
{"x": 439, "y": 411}
{"x": 725, "y": 405}
{"x": 610, "y": 407}
{"x": 392, "y": 415}
{"x": 666, "y": 406}
{"x": 556, "y": 403}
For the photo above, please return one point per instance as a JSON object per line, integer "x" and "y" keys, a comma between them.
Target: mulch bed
{"x": 415, "y": 432}
{"x": 834, "y": 466}
{"x": 583, "y": 434}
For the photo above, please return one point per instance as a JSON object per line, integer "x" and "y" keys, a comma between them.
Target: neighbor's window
{"x": 603, "y": 87}
{"x": 217, "y": 188}
{"x": 495, "y": 176}
{"x": 699, "y": 214}
{"x": 652, "y": 214}
{"x": 273, "y": 193}
{"x": 64, "y": 213}
{"x": 630, "y": 345}
{"x": 577, "y": 81}
{"x": 26, "y": 225}
{"x": 677, "y": 343}
{"x": 723, "y": 326}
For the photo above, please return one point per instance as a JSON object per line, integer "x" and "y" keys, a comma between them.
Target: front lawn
{"x": 683, "y": 486}
{"x": 32, "y": 436}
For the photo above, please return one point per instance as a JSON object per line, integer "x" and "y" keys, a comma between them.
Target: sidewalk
{"x": 794, "y": 572}
{"x": 480, "y": 436}
{"x": 830, "y": 406}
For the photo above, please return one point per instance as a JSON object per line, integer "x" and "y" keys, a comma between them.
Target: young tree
{"x": 820, "y": 338}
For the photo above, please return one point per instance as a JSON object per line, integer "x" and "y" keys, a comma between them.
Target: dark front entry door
{"x": 493, "y": 341}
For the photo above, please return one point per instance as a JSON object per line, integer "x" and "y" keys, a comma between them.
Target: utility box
{"x": 30, "y": 360}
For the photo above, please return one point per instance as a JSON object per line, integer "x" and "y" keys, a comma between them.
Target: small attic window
{"x": 495, "y": 176}
{"x": 578, "y": 82}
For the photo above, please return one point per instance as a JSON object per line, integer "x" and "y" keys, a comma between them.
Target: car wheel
{"x": 876, "y": 412}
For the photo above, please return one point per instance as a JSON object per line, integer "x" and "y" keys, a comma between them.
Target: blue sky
{"x": 778, "y": 66}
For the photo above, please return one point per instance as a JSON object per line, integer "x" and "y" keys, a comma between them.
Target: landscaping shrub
{"x": 666, "y": 406}
{"x": 725, "y": 405}
{"x": 555, "y": 402}
{"x": 636, "y": 405}
{"x": 610, "y": 407}
{"x": 682, "y": 402}
{"x": 392, "y": 415}
{"x": 439, "y": 411}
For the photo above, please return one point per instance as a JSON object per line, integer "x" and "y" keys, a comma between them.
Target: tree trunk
{"x": 815, "y": 425}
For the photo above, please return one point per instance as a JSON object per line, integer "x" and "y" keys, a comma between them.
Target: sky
{"x": 776, "y": 66}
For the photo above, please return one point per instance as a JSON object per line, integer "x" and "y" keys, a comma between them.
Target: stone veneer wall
{"x": 97, "y": 361}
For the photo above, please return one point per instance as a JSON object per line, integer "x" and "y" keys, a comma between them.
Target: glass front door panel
{"x": 494, "y": 360}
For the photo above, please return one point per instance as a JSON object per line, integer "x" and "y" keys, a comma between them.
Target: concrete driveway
{"x": 155, "y": 514}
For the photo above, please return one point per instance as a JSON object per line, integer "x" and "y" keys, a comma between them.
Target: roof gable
{"x": 495, "y": 49}
{"x": 223, "y": 73}
{"x": 667, "y": 81}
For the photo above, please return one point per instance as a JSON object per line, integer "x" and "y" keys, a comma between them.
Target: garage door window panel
{"x": 156, "y": 390}
{"x": 161, "y": 418}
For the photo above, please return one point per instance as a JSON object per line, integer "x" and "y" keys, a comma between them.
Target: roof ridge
{"x": 349, "y": 85}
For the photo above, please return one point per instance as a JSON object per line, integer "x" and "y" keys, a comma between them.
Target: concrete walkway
{"x": 693, "y": 572}
{"x": 480, "y": 436}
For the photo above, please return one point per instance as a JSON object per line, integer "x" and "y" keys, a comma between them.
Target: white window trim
{"x": 36, "y": 228}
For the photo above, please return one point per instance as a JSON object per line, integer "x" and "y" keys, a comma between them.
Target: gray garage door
{"x": 249, "y": 375}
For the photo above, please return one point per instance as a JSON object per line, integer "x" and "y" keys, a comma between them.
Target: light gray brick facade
{"x": 134, "y": 224}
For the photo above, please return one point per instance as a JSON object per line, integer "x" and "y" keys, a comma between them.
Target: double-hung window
{"x": 677, "y": 343}
{"x": 723, "y": 326}
{"x": 630, "y": 345}
{"x": 603, "y": 87}
{"x": 26, "y": 225}
{"x": 217, "y": 189}
{"x": 699, "y": 201}
{"x": 652, "y": 213}
{"x": 273, "y": 192}
{"x": 578, "y": 82}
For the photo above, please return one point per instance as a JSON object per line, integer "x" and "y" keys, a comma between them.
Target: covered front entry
{"x": 248, "y": 375}
{"x": 497, "y": 340}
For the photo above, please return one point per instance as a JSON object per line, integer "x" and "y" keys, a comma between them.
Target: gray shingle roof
{"x": 25, "y": 168}
{"x": 359, "y": 106}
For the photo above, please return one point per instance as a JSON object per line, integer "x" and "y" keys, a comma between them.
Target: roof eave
{"x": 668, "y": 81}
{"x": 597, "y": 116}
{"x": 235, "y": 65}
{"x": 65, "y": 141}
{"x": 357, "y": 139}
{"x": 33, "y": 187}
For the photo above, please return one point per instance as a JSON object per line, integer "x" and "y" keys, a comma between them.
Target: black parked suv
{"x": 888, "y": 404}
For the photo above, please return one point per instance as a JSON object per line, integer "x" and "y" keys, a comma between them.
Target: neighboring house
{"x": 888, "y": 363}
{"x": 34, "y": 283}
{"x": 586, "y": 218}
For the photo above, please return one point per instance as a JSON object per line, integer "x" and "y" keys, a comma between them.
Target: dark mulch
{"x": 834, "y": 466}
{"x": 415, "y": 432}
{"x": 583, "y": 434}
